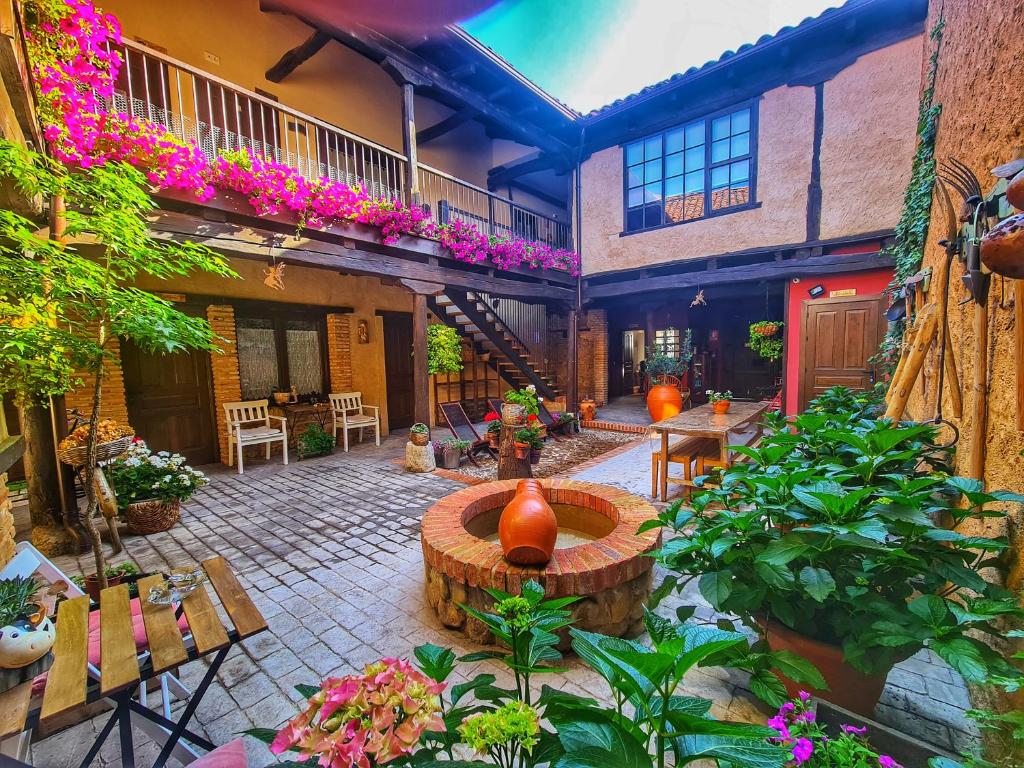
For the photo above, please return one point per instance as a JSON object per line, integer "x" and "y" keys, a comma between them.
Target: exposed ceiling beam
{"x": 540, "y": 194}
{"x": 503, "y": 174}
{"x": 442, "y": 127}
{"x": 462, "y": 71}
{"x": 297, "y": 55}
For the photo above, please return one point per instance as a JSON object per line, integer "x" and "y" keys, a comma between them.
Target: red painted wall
{"x": 865, "y": 283}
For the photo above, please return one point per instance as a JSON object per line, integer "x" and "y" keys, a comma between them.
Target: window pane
{"x": 741, "y": 121}
{"x": 305, "y": 368}
{"x": 695, "y": 158}
{"x": 634, "y": 153}
{"x": 674, "y": 186}
{"x": 674, "y": 164}
{"x": 652, "y": 170}
{"x": 257, "y": 357}
{"x": 634, "y": 219}
{"x": 635, "y": 176}
{"x": 720, "y": 128}
{"x": 636, "y": 197}
{"x": 740, "y": 145}
{"x": 695, "y": 134}
{"x": 674, "y": 140}
{"x": 739, "y": 171}
{"x": 652, "y": 148}
{"x": 720, "y": 177}
{"x": 695, "y": 182}
{"x": 719, "y": 150}
{"x": 652, "y": 215}
{"x": 652, "y": 193}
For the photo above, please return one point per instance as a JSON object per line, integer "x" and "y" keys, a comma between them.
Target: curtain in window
{"x": 305, "y": 367}
{"x": 257, "y": 357}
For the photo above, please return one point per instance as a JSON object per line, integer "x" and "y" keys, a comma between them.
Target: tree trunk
{"x": 91, "y": 501}
{"x": 509, "y": 467}
{"x": 41, "y": 464}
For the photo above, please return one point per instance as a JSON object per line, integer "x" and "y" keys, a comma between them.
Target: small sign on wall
{"x": 842, "y": 292}
{"x": 175, "y": 298}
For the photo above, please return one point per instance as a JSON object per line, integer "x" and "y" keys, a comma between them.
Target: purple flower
{"x": 804, "y": 696}
{"x": 853, "y": 730}
{"x": 804, "y": 748}
{"x": 786, "y": 708}
{"x": 805, "y": 717}
{"x": 887, "y": 762}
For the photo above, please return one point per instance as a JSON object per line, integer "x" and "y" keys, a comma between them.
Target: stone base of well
{"x": 610, "y": 574}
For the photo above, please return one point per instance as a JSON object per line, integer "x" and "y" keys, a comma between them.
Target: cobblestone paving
{"x": 329, "y": 549}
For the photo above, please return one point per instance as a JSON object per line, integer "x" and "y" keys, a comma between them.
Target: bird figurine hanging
{"x": 275, "y": 276}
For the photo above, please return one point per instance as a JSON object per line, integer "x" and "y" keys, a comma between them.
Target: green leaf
{"x": 748, "y": 753}
{"x": 782, "y": 551}
{"x": 964, "y": 656}
{"x": 931, "y": 609}
{"x": 533, "y": 592}
{"x": 798, "y": 669}
{"x": 716, "y": 586}
{"x": 597, "y": 739}
{"x": 663, "y": 590}
{"x": 818, "y": 582}
{"x": 436, "y": 662}
{"x": 307, "y": 691}
{"x": 266, "y": 735}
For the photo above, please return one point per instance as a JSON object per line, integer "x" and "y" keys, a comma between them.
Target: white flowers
{"x": 142, "y": 474}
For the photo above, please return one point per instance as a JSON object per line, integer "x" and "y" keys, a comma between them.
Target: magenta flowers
{"x": 75, "y": 65}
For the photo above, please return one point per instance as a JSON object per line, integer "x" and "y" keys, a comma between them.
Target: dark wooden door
{"x": 839, "y": 336}
{"x": 169, "y": 401}
{"x": 398, "y": 364}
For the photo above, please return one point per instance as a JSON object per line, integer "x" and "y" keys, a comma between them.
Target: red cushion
{"x": 138, "y": 627}
{"x": 231, "y": 755}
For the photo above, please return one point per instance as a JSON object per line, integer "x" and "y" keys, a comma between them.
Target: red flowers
{"x": 491, "y": 416}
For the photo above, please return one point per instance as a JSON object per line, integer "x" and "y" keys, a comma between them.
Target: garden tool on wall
{"x": 947, "y": 364}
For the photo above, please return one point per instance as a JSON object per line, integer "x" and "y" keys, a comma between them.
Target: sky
{"x": 587, "y": 53}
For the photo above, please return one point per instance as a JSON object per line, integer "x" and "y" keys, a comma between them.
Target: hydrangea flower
{"x": 514, "y": 723}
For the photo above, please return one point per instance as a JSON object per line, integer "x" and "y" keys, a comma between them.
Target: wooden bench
{"x": 684, "y": 452}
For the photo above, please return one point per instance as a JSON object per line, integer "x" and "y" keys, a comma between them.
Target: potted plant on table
{"x": 667, "y": 373}
{"x": 523, "y": 441}
{"x": 493, "y": 422}
{"x": 151, "y": 486}
{"x": 720, "y": 401}
{"x": 116, "y": 574}
{"x": 450, "y": 450}
{"x": 832, "y": 542}
{"x": 26, "y": 633}
{"x": 419, "y": 434}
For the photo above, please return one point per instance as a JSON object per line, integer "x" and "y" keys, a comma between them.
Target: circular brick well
{"x": 611, "y": 573}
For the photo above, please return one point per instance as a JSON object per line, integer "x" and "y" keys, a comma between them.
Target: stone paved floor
{"x": 628, "y": 409}
{"x": 330, "y": 550}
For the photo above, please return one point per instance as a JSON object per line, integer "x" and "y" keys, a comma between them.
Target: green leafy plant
{"x": 444, "y": 349}
{"x": 530, "y": 436}
{"x": 526, "y": 397}
{"x": 766, "y": 339}
{"x": 717, "y": 397}
{"x": 16, "y": 596}
{"x": 419, "y": 429}
{"x": 660, "y": 364}
{"x": 453, "y": 444}
{"x": 848, "y": 531}
{"x": 314, "y": 441}
{"x": 140, "y": 475}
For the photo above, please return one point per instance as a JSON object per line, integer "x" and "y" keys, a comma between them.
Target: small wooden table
{"x": 123, "y": 668}
{"x": 301, "y": 415}
{"x": 702, "y": 421}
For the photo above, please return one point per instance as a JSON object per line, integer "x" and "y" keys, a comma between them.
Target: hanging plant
{"x": 444, "y": 349}
{"x": 766, "y": 339}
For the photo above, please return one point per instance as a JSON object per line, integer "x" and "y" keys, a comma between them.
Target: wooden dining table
{"x": 702, "y": 421}
{"x": 72, "y": 682}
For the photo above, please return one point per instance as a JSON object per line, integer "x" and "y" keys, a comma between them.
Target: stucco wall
{"x": 870, "y": 111}
{"x": 785, "y": 139}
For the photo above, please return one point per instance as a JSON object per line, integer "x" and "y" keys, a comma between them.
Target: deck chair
{"x": 460, "y": 426}
{"x": 29, "y": 561}
{"x": 555, "y": 429}
{"x": 494, "y": 404}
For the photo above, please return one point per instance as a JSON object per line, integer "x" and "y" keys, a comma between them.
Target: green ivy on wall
{"x": 912, "y": 230}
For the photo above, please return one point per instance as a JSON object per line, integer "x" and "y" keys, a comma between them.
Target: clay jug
{"x": 664, "y": 401}
{"x": 528, "y": 527}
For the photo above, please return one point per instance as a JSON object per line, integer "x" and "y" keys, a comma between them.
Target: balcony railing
{"x": 217, "y": 115}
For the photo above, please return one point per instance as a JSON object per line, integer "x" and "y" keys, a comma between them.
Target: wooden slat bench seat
{"x": 684, "y": 451}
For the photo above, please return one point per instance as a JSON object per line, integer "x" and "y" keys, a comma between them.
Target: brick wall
{"x": 592, "y": 349}
{"x": 227, "y": 386}
{"x": 339, "y": 351}
{"x": 113, "y": 404}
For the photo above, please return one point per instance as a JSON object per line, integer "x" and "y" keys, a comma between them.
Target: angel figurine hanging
{"x": 275, "y": 276}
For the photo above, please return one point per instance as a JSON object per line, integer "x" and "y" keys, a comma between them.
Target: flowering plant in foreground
{"x": 139, "y": 474}
{"x": 75, "y": 64}
{"x": 811, "y": 747}
{"x": 359, "y": 721}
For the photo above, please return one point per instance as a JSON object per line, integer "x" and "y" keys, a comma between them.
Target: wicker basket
{"x": 78, "y": 455}
{"x": 153, "y": 516}
{"x": 419, "y": 438}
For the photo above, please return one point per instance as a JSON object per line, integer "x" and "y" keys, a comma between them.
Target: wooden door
{"x": 398, "y": 364}
{"x": 169, "y": 401}
{"x": 839, "y": 336}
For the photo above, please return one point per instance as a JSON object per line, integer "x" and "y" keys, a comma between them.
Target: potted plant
{"x": 523, "y": 441}
{"x": 151, "y": 486}
{"x": 840, "y": 541}
{"x": 664, "y": 399}
{"x": 530, "y": 436}
{"x": 765, "y": 339}
{"x": 451, "y": 450}
{"x": 519, "y": 404}
{"x": 720, "y": 401}
{"x": 419, "y": 434}
{"x": 315, "y": 441}
{"x": 116, "y": 574}
{"x": 493, "y": 422}
{"x": 26, "y": 632}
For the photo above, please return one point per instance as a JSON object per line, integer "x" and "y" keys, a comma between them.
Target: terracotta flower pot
{"x": 92, "y": 585}
{"x": 721, "y": 406}
{"x": 522, "y": 450}
{"x": 848, "y": 687}
{"x": 664, "y": 402}
{"x": 528, "y": 527}
{"x": 588, "y": 410}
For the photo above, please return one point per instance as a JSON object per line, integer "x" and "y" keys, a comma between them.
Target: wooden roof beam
{"x": 442, "y": 127}
{"x": 503, "y": 174}
{"x": 297, "y": 55}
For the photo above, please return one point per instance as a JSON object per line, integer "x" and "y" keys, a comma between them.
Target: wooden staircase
{"x": 505, "y": 353}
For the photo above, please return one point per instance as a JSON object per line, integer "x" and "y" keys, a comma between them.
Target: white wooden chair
{"x": 350, "y": 413}
{"x": 249, "y": 424}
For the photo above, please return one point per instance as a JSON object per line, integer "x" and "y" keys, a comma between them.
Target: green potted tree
{"x": 668, "y": 373}
{"x": 841, "y": 540}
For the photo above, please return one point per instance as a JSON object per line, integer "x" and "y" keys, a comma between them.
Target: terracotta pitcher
{"x": 528, "y": 527}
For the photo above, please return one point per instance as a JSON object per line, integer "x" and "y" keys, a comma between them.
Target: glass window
{"x": 667, "y": 341}
{"x": 690, "y": 171}
{"x": 276, "y": 354}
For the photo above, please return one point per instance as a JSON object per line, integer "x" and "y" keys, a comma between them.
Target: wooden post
{"x": 509, "y": 467}
{"x": 979, "y": 389}
{"x": 572, "y": 402}
{"x": 412, "y": 173}
{"x": 420, "y": 377}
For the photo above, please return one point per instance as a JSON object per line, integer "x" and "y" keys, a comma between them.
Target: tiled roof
{"x": 692, "y": 72}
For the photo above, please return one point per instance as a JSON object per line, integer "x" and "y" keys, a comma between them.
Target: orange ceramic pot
{"x": 664, "y": 402}
{"x": 721, "y": 406}
{"x": 588, "y": 410}
{"x": 528, "y": 527}
{"x": 848, "y": 687}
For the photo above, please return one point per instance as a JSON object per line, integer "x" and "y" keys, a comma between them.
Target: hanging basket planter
{"x": 766, "y": 339}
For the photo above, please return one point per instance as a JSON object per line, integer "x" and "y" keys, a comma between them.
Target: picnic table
{"x": 123, "y": 667}
{"x": 702, "y": 421}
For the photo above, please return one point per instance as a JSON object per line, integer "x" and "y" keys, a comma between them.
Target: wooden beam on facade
{"x": 442, "y": 127}
{"x": 770, "y": 270}
{"x": 540, "y": 194}
{"x": 503, "y": 174}
{"x": 297, "y": 55}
